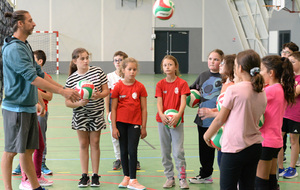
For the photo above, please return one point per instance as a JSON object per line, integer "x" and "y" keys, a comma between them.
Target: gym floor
{"x": 63, "y": 149}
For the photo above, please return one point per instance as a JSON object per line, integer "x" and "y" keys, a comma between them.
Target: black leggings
{"x": 129, "y": 141}
{"x": 240, "y": 168}
{"x": 206, "y": 154}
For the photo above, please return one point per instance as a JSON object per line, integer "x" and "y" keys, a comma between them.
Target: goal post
{"x": 48, "y": 41}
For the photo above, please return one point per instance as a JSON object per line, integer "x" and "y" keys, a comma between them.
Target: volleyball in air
{"x": 163, "y": 9}
{"x": 217, "y": 138}
{"x": 220, "y": 101}
{"x": 85, "y": 89}
{"x": 170, "y": 113}
{"x": 193, "y": 100}
{"x": 261, "y": 120}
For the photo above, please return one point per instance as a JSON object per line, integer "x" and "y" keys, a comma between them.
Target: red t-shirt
{"x": 171, "y": 94}
{"x": 129, "y": 102}
{"x": 45, "y": 101}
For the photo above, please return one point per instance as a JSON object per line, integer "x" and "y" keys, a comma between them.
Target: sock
{"x": 261, "y": 184}
{"x": 131, "y": 180}
{"x": 273, "y": 182}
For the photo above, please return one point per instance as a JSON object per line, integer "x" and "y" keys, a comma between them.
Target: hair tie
{"x": 254, "y": 71}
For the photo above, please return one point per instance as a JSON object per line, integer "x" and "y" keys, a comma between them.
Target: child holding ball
{"x": 243, "y": 105}
{"x": 88, "y": 115}
{"x": 128, "y": 119}
{"x": 209, "y": 84}
{"x": 171, "y": 93}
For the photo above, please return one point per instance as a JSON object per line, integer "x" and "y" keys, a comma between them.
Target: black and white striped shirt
{"x": 98, "y": 77}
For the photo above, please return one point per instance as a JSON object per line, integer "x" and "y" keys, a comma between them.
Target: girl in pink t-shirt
{"x": 243, "y": 105}
{"x": 279, "y": 78}
{"x": 291, "y": 124}
{"x": 128, "y": 119}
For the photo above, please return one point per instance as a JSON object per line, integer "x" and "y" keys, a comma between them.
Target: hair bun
{"x": 8, "y": 14}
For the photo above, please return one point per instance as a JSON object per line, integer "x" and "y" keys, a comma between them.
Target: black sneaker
{"x": 95, "y": 181}
{"x": 84, "y": 181}
{"x": 138, "y": 165}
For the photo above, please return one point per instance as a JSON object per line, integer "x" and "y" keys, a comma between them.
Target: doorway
{"x": 174, "y": 43}
{"x": 284, "y": 37}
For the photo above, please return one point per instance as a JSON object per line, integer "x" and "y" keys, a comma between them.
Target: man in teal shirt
{"x": 22, "y": 75}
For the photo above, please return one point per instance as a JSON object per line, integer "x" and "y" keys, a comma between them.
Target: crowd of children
{"x": 253, "y": 88}
{"x": 253, "y": 149}
{"x": 249, "y": 160}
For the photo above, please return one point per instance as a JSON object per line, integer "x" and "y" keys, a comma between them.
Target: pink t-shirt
{"x": 246, "y": 107}
{"x": 276, "y": 105}
{"x": 293, "y": 112}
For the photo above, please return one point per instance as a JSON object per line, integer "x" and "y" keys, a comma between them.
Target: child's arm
{"x": 97, "y": 94}
{"x": 144, "y": 116}
{"x": 297, "y": 90}
{"x": 195, "y": 84}
{"x": 71, "y": 104}
{"x": 47, "y": 95}
{"x": 164, "y": 118}
{"x": 174, "y": 120}
{"x": 216, "y": 125}
{"x": 204, "y": 113}
{"x": 40, "y": 107}
{"x": 115, "y": 131}
{"x": 106, "y": 104}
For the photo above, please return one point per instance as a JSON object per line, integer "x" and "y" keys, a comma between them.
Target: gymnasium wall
{"x": 284, "y": 20}
{"x": 104, "y": 26}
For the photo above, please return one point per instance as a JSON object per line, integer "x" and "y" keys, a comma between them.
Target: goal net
{"x": 47, "y": 41}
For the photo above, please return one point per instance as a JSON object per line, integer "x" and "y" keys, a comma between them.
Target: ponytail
{"x": 72, "y": 68}
{"x": 283, "y": 70}
{"x": 257, "y": 79}
{"x": 250, "y": 63}
{"x": 288, "y": 81}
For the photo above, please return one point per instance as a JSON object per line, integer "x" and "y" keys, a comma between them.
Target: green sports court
{"x": 105, "y": 26}
{"x": 63, "y": 149}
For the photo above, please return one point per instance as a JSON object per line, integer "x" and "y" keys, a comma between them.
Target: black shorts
{"x": 269, "y": 153}
{"x": 290, "y": 126}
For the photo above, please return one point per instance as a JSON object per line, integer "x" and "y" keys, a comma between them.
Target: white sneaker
{"x": 183, "y": 184}
{"x": 44, "y": 182}
{"x": 25, "y": 185}
{"x": 198, "y": 179}
{"x": 298, "y": 162}
{"x": 169, "y": 183}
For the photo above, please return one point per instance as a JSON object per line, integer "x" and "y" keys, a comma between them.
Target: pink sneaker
{"x": 25, "y": 185}
{"x": 44, "y": 182}
{"x": 134, "y": 184}
{"x": 125, "y": 182}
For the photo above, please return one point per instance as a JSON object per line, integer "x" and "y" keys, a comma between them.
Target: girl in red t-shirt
{"x": 171, "y": 93}
{"x": 128, "y": 119}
